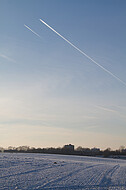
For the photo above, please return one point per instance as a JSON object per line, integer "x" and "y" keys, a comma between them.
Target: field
{"x": 44, "y": 171}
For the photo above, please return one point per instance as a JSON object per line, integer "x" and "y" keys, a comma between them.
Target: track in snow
{"x": 39, "y": 171}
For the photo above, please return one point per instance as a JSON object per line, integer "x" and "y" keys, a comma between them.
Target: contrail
{"x": 110, "y": 73}
{"x": 7, "y": 58}
{"x": 32, "y": 31}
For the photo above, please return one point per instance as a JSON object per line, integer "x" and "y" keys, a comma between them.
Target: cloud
{"x": 7, "y": 58}
{"x": 114, "y": 111}
{"x": 106, "y": 109}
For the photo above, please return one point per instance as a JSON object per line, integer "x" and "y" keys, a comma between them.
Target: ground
{"x": 46, "y": 171}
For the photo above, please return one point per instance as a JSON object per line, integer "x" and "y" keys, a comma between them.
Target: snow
{"x": 45, "y": 171}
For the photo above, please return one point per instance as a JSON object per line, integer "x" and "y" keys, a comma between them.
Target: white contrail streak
{"x": 7, "y": 58}
{"x": 84, "y": 53}
{"x": 32, "y": 31}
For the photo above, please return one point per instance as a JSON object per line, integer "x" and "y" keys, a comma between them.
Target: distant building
{"x": 69, "y": 147}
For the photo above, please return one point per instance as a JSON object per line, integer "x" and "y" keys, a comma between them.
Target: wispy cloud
{"x": 106, "y": 109}
{"x": 32, "y": 31}
{"x": 7, "y": 58}
{"x": 115, "y": 111}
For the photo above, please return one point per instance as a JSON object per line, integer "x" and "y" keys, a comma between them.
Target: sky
{"x": 51, "y": 94}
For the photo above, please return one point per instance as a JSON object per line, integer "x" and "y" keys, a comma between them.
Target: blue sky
{"x": 50, "y": 94}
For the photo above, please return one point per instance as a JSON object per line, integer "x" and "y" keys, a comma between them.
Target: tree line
{"x": 68, "y": 151}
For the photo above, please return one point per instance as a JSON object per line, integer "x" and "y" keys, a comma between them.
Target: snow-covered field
{"x": 44, "y": 171}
